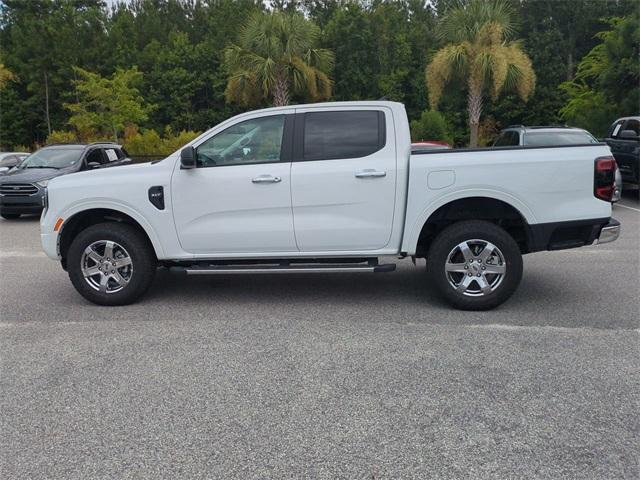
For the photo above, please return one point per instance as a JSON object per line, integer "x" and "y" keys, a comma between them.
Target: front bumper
{"x": 27, "y": 204}
{"x": 610, "y": 232}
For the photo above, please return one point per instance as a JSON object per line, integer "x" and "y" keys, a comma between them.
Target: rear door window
{"x": 112, "y": 154}
{"x": 96, "y": 156}
{"x": 342, "y": 134}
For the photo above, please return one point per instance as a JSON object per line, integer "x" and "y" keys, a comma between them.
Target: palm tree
{"x": 480, "y": 53}
{"x": 275, "y": 57}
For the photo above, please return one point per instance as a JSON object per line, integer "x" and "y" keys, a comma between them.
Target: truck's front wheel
{"x": 111, "y": 264}
{"x": 475, "y": 265}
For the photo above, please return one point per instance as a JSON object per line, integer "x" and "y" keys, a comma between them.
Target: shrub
{"x": 431, "y": 126}
{"x": 60, "y": 136}
{"x": 149, "y": 142}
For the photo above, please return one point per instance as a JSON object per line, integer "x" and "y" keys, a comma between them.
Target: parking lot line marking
{"x": 22, "y": 254}
{"x": 627, "y": 206}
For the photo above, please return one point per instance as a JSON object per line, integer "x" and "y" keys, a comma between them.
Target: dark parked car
{"x": 22, "y": 188}
{"x": 624, "y": 140}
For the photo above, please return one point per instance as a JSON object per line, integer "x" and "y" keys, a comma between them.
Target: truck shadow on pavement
{"x": 407, "y": 290}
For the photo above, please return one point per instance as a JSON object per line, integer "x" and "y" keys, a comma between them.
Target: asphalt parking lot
{"x": 327, "y": 376}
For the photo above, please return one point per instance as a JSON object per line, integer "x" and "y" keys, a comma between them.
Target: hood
{"x": 102, "y": 175}
{"x": 31, "y": 175}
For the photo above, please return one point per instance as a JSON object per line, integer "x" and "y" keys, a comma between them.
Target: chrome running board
{"x": 267, "y": 269}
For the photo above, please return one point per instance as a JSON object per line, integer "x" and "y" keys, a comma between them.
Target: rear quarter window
{"x": 550, "y": 139}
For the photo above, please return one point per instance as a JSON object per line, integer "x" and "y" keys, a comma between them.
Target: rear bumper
{"x": 573, "y": 234}
{"x": 610, "y": 232}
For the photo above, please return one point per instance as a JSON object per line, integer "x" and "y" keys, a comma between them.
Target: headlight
{"x": 43, "y": 183}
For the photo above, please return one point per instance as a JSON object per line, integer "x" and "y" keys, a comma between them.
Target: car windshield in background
{"x": 53, "y": 158}
{"x": 545, "y": 139}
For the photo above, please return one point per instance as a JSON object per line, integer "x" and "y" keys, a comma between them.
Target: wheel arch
{"x": 85, "y": 218}
{"x": 480, "y": 207}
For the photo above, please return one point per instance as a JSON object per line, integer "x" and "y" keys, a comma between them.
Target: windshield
{"x": 547, "y": 139}
{"x": 52, "y": 158}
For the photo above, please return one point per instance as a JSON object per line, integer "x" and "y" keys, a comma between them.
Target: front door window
{"x": 258, "y": 140}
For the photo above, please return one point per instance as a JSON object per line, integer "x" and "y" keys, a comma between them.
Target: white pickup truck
{"x": 327, "y": 188}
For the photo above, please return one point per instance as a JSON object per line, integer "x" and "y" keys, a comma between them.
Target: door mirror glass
{"x": 188, "y": 157}
{"x": 628, "y": 134}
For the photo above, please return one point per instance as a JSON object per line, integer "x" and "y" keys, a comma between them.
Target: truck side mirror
{"x": 188, "y": 157}
{"x": 628, "y": 134}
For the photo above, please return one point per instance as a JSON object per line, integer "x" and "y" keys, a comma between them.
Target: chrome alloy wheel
{"x": 475, "y": 268}
{"x": 106, "y": 266}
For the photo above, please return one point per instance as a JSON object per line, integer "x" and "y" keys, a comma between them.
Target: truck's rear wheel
{"x": 475, "y": 265}
{"x": 111, "y": 264}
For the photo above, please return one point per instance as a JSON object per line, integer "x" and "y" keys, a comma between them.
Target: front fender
{"x": 110, "y": 204}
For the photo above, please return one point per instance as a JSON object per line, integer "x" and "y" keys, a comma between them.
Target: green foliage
{"x": 482, "y": 56}
{"x": 381, "y": 48}
{"x": 479, "y": 51}
{"x": 6, "y": 76}
{"x": 107, "y": 105}
{"x": 607, "y": 81}
{"x": 588, "y": 109}
{"x": 431, "y": 126}
{"x": 149, "y": 142}
{"x": 277, "y": 55}
{"x": 62, "y": 136}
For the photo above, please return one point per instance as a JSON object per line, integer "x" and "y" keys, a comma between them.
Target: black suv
{"x": 624, "y": 141}
{"x": 22, "y": 188}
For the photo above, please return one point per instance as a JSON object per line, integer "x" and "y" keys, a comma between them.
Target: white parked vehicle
{"x": 329, "y": 187}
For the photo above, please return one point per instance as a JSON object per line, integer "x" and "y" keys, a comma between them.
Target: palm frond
{"x": 520, "y": 74}
{"x": 449, "y": 60}
{"x": 278, "y": 49}
{"x": 465, "y": 19}
{"x": 304, "y": 77}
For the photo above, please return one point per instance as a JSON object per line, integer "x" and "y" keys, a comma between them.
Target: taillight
{"x": 604, "y": 178}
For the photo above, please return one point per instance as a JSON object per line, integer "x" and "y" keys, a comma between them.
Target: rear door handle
{"x": 369, "y": 172}
{"x": 266, "y": 179}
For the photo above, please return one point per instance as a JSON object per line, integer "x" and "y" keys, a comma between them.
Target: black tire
{"x": 143, "y": 261}
{"x": 10, "y": 216}
{"x": 466, "y": 231}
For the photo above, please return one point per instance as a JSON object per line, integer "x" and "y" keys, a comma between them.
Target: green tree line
{"x": 162, "y": 70}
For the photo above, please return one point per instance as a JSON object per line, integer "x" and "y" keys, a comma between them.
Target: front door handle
{"x": 266, "y": 179}
{"x": 369, "y": 172}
